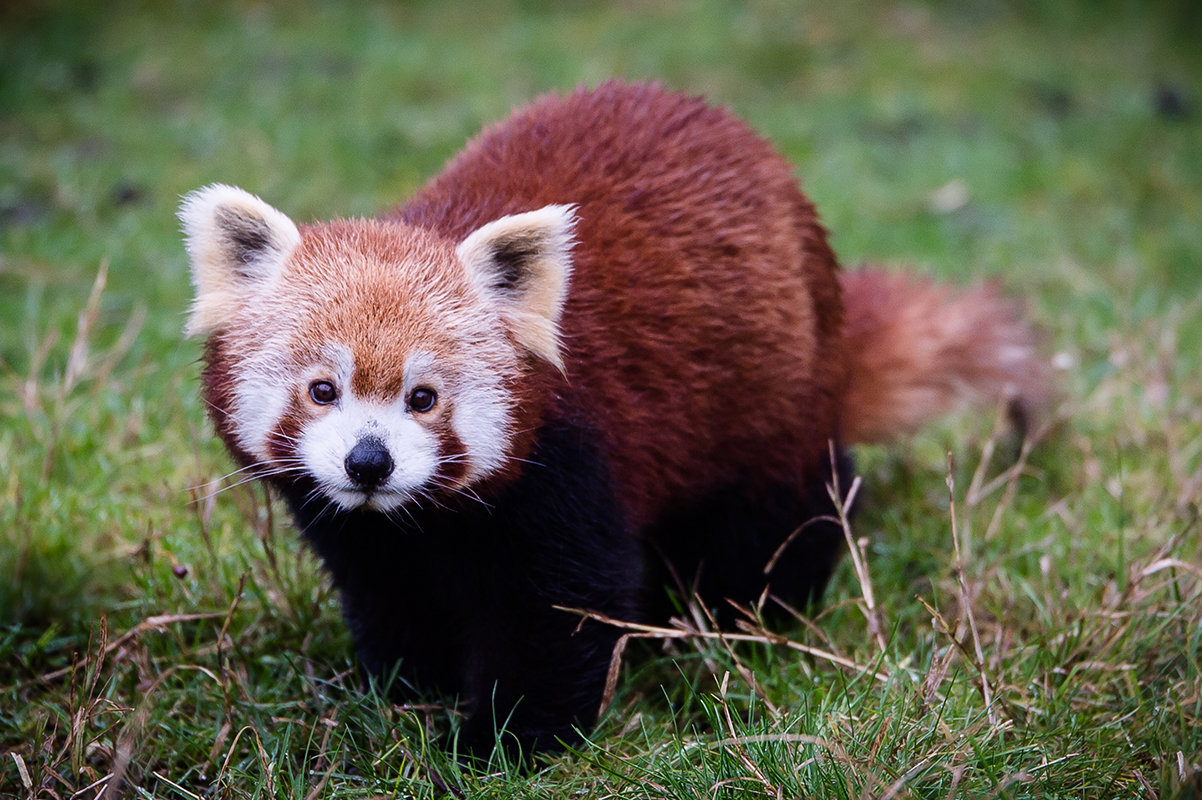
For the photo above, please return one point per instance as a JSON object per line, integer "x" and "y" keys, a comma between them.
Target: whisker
{"x": 388, "y": 515}
{"x": 463, "y": 490}
{"x": 527, "y": 461}
{"x": 470, "y": 492}
{"x": 312, "y": 495}
{"x": 222, "y": 478}
{"x": 433, "y": 499}
{"x": 217, "y": 408}
{"x": 250, "y": 479}
{"x": 283, "y": 436}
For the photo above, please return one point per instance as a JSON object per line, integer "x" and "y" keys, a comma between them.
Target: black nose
{"x": 368, "y": 463}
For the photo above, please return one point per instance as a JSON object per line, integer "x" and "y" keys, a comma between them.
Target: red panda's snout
{"x": 382, "y": 449}
{"x": 376, "y": 454}
{"x": 360, "y": 432}
{"x": 369, "y": 463}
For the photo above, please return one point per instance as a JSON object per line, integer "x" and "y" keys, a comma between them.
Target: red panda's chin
{"x": 347, "y": 500}
{"x": 387, "y": 501}
{"x": 381, "y": 500}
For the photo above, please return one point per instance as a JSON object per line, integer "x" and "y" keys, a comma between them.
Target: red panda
{"x": 607, "y": 345}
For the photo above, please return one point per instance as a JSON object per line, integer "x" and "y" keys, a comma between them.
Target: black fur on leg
{"x": 464, "y": 595}
{"x": 720, "y": 546}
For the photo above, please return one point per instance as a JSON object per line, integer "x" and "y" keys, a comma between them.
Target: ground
{"x": 160, "y": 625}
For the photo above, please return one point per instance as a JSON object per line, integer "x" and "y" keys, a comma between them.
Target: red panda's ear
{"x": 235, "y": 241}
{"x": 522, "y": 263}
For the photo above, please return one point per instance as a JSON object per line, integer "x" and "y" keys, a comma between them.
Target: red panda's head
{"x": 376, "y": 359}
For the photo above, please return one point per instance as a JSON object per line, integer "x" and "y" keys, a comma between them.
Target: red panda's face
{"x": 376, "y": 360}
{"x": 378, "y": 393}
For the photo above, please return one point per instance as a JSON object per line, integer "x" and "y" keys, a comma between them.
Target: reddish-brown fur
{"x": 704, "y": 333}
{"x": 702, "y": 329}
{"x": 711, "y": 353}
{"x": 918, "y": 348}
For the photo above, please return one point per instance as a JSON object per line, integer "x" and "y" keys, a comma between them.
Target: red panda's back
{"x": 702, "y": 330}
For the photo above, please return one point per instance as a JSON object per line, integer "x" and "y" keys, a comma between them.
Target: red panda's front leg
{"x": 533, "y": 674}
{"x": 462, "y": 596}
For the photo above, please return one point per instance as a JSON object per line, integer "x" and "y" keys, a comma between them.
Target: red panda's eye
{"x": 422, "y": 399}
{"x": 323, "y": 392}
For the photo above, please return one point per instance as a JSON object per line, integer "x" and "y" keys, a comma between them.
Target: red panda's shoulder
{"x": 699, "y": 272}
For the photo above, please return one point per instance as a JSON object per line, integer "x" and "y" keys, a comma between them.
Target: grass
{"x": 156, "y": 625}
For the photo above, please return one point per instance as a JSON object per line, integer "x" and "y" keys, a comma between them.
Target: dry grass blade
{"x": 857, "y": 549}
{"x": 148, "y": 624}
{"x": 785, "y": 738}
{"x": 780, "y": 551}
{"x": 320, "y": 763}
{"x": 642, "y": 631}
{"x": 1006, "y": 782}
{"x": 266, "y": 764}
{"x": 175, "y": 786}
{"x": 92, "y": 786}
{"x": 78, "y": 360}
{"x": 1171, "y": 563}
{"x": 30, "y": 393}
{"x": 23, "y": 772}
{"x": 79, "y": 718}
{"x": 898, "y": 786}
{"x": 316, "y": 791}
{"x": 129, "y": 334}
{"x": 966, "y": 599}
{"x": 1011, "y": 477}
{"x": 744, "y": 672}
{"x": 1147, "y": 787}
{"x": 939, "y": 664}
{"x": 740, "y": 751}
{"x": 133, "y": 729}
{"x": 225, "y": 626}
{"x": 975, "y": 493}
{"x": 615, "y": 670}
{"x": 264, "y": 761}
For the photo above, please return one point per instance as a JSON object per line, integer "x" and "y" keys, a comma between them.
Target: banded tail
{"x": 917, "y": 349}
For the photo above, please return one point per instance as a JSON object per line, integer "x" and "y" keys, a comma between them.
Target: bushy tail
{"x": 917, "y": 349}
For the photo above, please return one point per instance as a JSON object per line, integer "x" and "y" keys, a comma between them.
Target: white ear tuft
{"x": 235, "y": 241}
{"x": 523, "y": 262}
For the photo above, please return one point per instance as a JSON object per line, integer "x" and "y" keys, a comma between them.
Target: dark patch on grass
{"x": 1172, "y": 102}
